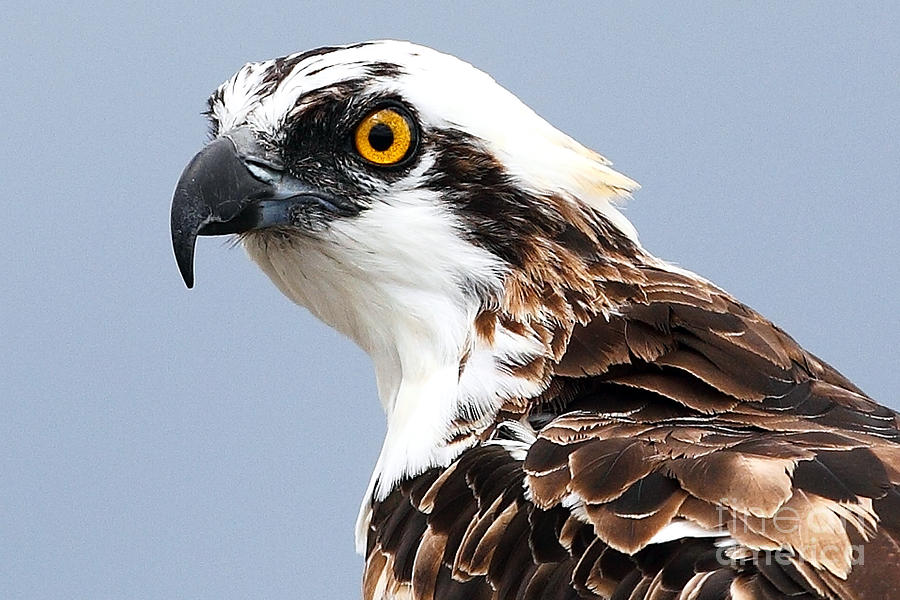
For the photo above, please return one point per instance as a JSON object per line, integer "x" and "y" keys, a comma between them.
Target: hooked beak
{"x": 234, "y": 186}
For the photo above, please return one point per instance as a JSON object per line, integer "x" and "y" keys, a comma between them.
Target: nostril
{"x": 263, "y": 170}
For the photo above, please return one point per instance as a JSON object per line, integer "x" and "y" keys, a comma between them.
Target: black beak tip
{"x": 184, "y": 228}
{"x": 188, "y": 277}
{"x": 183, "y": 246}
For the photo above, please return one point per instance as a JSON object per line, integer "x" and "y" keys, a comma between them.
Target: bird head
{"x": 409, "y": 201}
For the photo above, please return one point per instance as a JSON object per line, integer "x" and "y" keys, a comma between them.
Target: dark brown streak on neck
{"x": 567, "y": 263}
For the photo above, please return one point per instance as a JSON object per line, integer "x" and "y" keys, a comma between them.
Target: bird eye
{"x": 385, "y": 136}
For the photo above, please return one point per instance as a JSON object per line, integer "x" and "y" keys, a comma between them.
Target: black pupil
{"x": 381, "y": 137}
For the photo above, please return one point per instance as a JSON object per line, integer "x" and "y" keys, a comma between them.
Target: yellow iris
{"x": 384, "y": 137}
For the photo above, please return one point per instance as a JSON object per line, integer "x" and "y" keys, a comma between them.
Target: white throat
{"x": 414, "y": 317}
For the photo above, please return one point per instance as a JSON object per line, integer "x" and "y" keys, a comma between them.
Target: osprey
{"x": 568, "y": 416}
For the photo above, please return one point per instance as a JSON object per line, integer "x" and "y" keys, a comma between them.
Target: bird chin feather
{"x": 402, "y": 283}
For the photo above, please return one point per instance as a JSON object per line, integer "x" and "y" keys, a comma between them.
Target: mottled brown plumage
{"x": 677, "y": 405}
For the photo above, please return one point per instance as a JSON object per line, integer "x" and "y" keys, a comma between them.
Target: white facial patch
{"x": 446, "y": 92}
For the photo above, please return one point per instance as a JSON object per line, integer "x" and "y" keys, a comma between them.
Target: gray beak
{"x": 233, "y": 186}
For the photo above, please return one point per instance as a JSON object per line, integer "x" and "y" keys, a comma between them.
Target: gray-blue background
{"x": 160, "y": 443}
